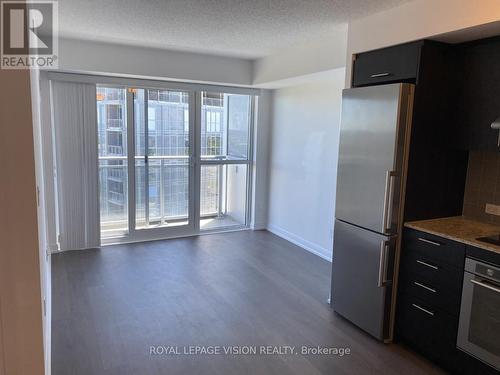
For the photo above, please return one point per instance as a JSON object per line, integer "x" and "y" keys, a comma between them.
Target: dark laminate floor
{"x": 242, "y": 288}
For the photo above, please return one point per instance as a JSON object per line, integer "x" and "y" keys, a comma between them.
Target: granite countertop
{"x": 460, "y": 229}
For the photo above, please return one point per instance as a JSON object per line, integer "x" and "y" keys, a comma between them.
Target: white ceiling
{"x": 240, "y": 28}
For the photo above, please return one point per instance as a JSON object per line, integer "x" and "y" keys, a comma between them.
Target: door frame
{"x": 145, "y": 234}
{"x": 248, "y": 162}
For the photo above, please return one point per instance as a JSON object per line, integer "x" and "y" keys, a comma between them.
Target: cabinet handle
{"x": 496, "y": 126}
{"x": 429, "y": 241}
{"x": 424, "y": 286}
{"x": 422, "y": 309}
{"x": 427, "y": 264}
{"x": 380, "y": 75}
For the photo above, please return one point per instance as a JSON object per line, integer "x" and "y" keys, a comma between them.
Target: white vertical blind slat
{"x": 75, "y": 130}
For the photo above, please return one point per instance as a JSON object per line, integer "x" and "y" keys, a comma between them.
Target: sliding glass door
{"x": 225, "y": 129}
{"x": 163, "y": 153}
{"x": 163, "y": 138}
{"x": 112, "y": 156}
{"x": 172, "y": 162}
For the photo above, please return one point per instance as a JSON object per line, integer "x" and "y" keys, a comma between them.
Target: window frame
{"x": 194, "y": 99}
{"x": 225, "y": 162}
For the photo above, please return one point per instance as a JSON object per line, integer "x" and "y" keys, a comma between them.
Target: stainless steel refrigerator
{"x": 373, "y": 153}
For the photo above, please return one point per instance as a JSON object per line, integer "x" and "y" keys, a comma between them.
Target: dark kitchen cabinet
{"x": 387, "y": 65}
{"x": 437, "y": 162}
{"x": 478, "y": 97}
{"x": 462, "y": 79}
{"x": 437, "y": 165}
{"x": 441, "y": 252}
{"x": 429, "y": 292}
{"x": 457, "y": 97}
{"x": 428, "y": 330}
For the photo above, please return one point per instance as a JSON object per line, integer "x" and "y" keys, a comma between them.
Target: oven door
{"x": 479, "y": 327}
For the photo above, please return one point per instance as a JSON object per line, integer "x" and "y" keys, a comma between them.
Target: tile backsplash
{"x": 482, "y": 185}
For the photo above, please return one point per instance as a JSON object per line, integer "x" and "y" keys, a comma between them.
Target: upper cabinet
{"x": 478, "y": 101}
{"x": 458, "y": 85}
{"x": 437, "y": 166}
{"x": 387, "y": 65}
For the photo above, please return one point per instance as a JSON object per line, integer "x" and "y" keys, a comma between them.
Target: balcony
{"x": 115, "y": 150}
{"x": 167, "y": 193}
{"x": 114, "y": 125}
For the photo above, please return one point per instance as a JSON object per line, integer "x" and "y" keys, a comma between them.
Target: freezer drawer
{"x": 362, "y": 261}
{"x": 373, "y": 148}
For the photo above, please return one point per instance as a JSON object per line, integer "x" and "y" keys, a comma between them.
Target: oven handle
{"x": 485, "y": 285}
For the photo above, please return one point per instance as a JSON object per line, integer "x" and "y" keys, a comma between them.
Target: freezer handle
{"x": 388, "y": 201}
{"x": 382, "y": 266}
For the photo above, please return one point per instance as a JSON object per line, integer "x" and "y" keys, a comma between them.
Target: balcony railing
{"x": 213, "y": 102}
{"x": 114, "y": 124}
{"x": 115, "y": 150}
{"x": 168, "y": 189}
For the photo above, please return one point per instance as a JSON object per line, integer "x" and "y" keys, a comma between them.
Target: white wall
{"x": 303, "y": 162}
{"x": 43, "y": 241}
{"x": 415, "y": 20}
{"x": 260, "y": 162}
{"x": 116, "y": 59}
{"x": 317, "y": 55}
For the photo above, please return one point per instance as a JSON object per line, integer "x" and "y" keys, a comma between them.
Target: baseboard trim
{"x": 299, "y": 241}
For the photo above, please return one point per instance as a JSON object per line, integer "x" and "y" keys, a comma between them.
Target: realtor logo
{"x": 29, "y": 34}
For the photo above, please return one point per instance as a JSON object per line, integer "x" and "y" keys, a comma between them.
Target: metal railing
{"x": 114, "y": 168}
{"x": 114, "y": 124}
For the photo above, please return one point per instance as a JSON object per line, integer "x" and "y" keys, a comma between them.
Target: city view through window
{"x": 163, "y": 148}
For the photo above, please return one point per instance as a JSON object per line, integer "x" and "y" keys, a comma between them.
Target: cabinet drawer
{"x": 430, "y": 331}
{"x": 436, "y": 296}
{"x": 439, "y": 274}
{"x": 393, "y": 64}
{"x": 439, "y": 251}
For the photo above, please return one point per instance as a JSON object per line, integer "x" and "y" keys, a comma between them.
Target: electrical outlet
{"x": 492, "y": 209}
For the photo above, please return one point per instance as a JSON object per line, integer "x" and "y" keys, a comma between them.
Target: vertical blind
{"x": 74, "y": 121}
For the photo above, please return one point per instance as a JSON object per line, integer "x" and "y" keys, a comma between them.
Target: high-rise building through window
{"x": 112, "y": 149}
{"x": 168, "y": 148}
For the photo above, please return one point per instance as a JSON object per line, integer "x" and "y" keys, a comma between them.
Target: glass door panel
{"x": 223, "y": 196}
{"x": 112, "y": 153}
{"x": 225, "y": 126}
{"x": 162, "y": 163}
{"x": 224, "y": 151}
{"x": 238, "y": 125}
{"x": 139, "y": 158}
{"x": 210, "y": 197}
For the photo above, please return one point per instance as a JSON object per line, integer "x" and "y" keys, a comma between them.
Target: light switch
{"x": 492, "y": 209}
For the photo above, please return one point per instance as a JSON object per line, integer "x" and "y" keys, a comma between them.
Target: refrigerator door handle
{"x": 388, "y": 201}
{"x": 382, "y": 266}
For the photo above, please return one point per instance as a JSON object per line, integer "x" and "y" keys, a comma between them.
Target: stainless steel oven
{"x": 479, "y": 327}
